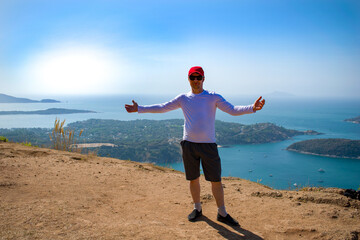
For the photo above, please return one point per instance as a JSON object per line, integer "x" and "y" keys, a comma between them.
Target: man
{"x": 199, "y": 108}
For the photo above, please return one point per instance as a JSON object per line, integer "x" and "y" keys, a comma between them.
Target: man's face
{"x": 196, "y": 84}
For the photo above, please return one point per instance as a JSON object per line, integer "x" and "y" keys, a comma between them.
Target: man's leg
{"x": 218, "y": 193}
{"x": 195, "y": 190}
{"x": 195, "y": 194}
{"x": 191, "y": 162}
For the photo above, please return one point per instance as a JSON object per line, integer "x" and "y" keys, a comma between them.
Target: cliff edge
{"x": 50, "y": 194}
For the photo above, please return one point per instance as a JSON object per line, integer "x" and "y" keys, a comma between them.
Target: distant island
{"x": 331, "y": 147}
{"x": 47, "y": 111}
{"x": 151, "y": 140}
{"x": 353, "y": 120}
{"x": 10, "y": 99}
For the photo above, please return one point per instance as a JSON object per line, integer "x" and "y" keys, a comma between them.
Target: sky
{"x": 307, "y": 48}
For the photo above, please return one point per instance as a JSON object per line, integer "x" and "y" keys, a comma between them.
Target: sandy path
{"x": 49, "y": 194}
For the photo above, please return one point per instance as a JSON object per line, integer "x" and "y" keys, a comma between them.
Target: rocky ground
{"x": 49, "y": 194}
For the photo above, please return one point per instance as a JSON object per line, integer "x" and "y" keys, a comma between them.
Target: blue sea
{"x": 268, "y": 163}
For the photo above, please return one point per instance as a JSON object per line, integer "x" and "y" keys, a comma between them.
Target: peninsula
{"x": 331, "y": 147}
{"x": 10, "y": 99}
{"x": 152, "y": 140}
{"x": 47, "y": 111}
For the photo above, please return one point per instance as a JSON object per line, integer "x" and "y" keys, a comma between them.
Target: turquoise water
{"x": 268, "y": 163}
{"x": 273, "y": 166}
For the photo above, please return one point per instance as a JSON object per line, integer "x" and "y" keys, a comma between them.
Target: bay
{"x": 268, "y": 164}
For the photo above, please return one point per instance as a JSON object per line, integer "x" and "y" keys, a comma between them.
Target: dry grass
{"x": 91, "y": 154}
{"x": 62, "y": 138}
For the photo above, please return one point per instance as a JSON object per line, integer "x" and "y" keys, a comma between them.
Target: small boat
{"x": 321, "y": 170}
{"x": 250, "y": 170}
{"x": 295, "y": 184}
{"x": 270, "y": 175}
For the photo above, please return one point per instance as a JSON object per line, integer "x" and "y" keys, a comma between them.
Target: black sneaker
{"x": 194, "y": 215}
{"x": 228, "y": 220}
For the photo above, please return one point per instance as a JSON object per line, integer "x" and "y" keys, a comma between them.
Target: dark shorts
{"x": 210, "y": 160}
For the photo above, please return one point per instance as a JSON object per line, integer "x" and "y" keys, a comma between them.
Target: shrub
{"x": 3, "y": 139}
{"x": 27, "y": 144}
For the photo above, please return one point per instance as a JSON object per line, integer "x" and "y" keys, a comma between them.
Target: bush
{"x": 3, "y": 139}
{"x": 27, "y": 144}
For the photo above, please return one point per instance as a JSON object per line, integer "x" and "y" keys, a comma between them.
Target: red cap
{"x": 196, "y": 69}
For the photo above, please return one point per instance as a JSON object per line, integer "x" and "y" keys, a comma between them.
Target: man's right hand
{"x": 132, "y": 108}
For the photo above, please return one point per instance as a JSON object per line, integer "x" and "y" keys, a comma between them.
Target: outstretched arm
{"x": 258, "y": 105}
{"x": 155, "y": 108}
{"x": 131, "y": 108}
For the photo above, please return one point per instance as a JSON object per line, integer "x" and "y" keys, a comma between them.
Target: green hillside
{"x": 334, "y": 147}
{"x": 152, "y": 140}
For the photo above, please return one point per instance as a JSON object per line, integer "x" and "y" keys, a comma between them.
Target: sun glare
{"x": 74, "y": 71}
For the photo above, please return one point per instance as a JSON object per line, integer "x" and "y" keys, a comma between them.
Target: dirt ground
{"x": 49, "y": 194}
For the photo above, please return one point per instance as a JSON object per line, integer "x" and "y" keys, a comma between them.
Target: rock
{"x": 351, "y": 193}
{"x": 275, "y": 194}
{"x": 354, "y": 235}
{"x": 207, "y": 197}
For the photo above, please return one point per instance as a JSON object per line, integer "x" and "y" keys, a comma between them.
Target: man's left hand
{"x": 258, "y": 105}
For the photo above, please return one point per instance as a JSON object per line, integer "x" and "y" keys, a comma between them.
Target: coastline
{"x": 224, "y": 146}
{"x": 321, "y": 155}
{"x": 93, "y": 145}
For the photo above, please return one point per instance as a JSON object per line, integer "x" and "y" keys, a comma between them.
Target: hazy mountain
{"x": 47, "y": 111}
{"x": 10, "y": 99}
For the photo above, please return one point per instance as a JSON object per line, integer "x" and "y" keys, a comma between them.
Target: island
{"x": 48, "y": 111}
{"x": 49, "y": 101}
{"x": 10, "y": 99}
{"x": 353, "y": 120}
{"x": 329, "y": 147}
{"x": 155, "y": 141}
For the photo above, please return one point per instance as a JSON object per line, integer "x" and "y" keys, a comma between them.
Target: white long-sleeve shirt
{"x": 199, "y": 112}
